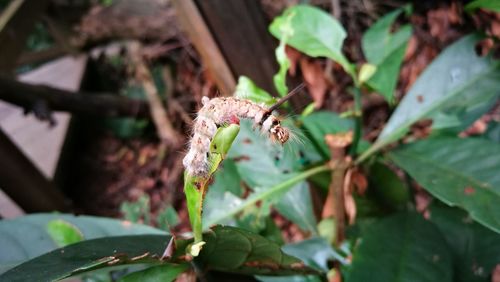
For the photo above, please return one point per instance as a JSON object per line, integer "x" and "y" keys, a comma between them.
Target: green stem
{"x": 372, "y": 150}
{"x": 269, "y": 192}
{"x": 358, "y": 122}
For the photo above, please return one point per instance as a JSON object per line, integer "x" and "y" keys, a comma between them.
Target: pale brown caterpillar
{"x": 219, "y": 111}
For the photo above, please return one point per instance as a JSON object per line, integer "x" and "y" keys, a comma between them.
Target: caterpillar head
{"x": 280, "y": 133}
{"x": 273, "y": 125}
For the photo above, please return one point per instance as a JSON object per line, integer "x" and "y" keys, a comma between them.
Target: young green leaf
{"x": 458, "y": 77}
{"x": 161, "y": 273}
{"x": 459, "y": 172}
{"x": 385, "y": 50}
{"x": 403, "y": 247}
{"x": 63, "y": 233}
{"x": 366, "y": 72}
{"x": 315, "y": 33}
{"x": 492, "y": 5}
{"x": 247, "y": 89}
{"x": 279, "y": 79}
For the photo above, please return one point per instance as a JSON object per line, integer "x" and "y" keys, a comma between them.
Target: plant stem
{"x": 269, "y": 192}
{"x": 358, "y": 122}
{"x": 372, "y": 150}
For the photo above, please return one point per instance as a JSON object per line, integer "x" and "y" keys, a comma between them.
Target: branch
{"x": 164, "y": 127}
{"x": 28, "y": 95}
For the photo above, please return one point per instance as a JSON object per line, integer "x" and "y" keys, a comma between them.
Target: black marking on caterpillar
{"x": 223, "y": 110}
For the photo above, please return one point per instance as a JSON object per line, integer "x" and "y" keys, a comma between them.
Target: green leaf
{"x": 263, "y": 165}
{"x": 160, "y": 273}
{"x": 386, "y": 77}
{"x": 456, "y": 79}
{"x": 379, "y": 42}
{"x": 492, "y": 5}
{"x": 223, "y": 140}
{"x": 89, "y": 255}
{"x": 459, "y": 172}
{"x": 386, "y": 50}
{"x": 454, "y": 120}
{"x": 247, "y": 89}
{"x": 476, "y": 249}
{"x": 314, "y": 32}
{"x": 389, "y": 189}
{"x": 227, "y": 249}
{"x": 239, "y": 205}
{"x": 493, "y": 131}
{"x": 63, "y": 233}
{"x": 138, "y": 211}
{"x": 26, "y": 237}
{"x": 279, "y": 79}
{"x": 403, "y": 247}
{"x": 314, "y": 252}
{"x": 236, "y": 250}
{"x": 321, "y": 123}
{"x": 167, "y": 218}
{"x": 366, "y": 72}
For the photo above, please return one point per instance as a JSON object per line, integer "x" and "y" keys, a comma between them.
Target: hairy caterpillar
{"x": 218, "y": 111}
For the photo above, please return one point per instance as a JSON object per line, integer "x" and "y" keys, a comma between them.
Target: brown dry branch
{"x": 166, "y": 131}
{"x": 153, "y": 20}
{"x": 28, "y": 95}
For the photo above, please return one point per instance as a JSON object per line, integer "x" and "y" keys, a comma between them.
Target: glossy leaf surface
{"x": 459, "y": 172}
{"x": 403, "y": 247}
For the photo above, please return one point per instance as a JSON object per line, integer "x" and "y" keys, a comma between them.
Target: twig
{"x": 336, "y": 9}
{"x": 171, "y": 102}
{"x": 166, "y": 131}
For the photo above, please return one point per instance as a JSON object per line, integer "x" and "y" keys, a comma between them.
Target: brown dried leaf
{"x": 349, "y": 203}
{"x": 293, "y": 56}
{"x": 359, "y": 182}
{"x": 495, "y": 276}
{"x": 339, "y": 140}
{"x": 313, "y": 74}
{"x": 477, "y": 128}
{"x": 411, "y": 49}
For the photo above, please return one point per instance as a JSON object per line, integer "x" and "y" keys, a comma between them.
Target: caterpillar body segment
{"x": 223, "y": 110}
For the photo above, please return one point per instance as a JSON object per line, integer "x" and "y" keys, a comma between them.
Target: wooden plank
{"x": 8, "y": 209}
{"x": 24, "y": 183}
{"x": 193, "y": 24}
{"x": 16, "y": 23}
{"x": 240, "y": 29}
